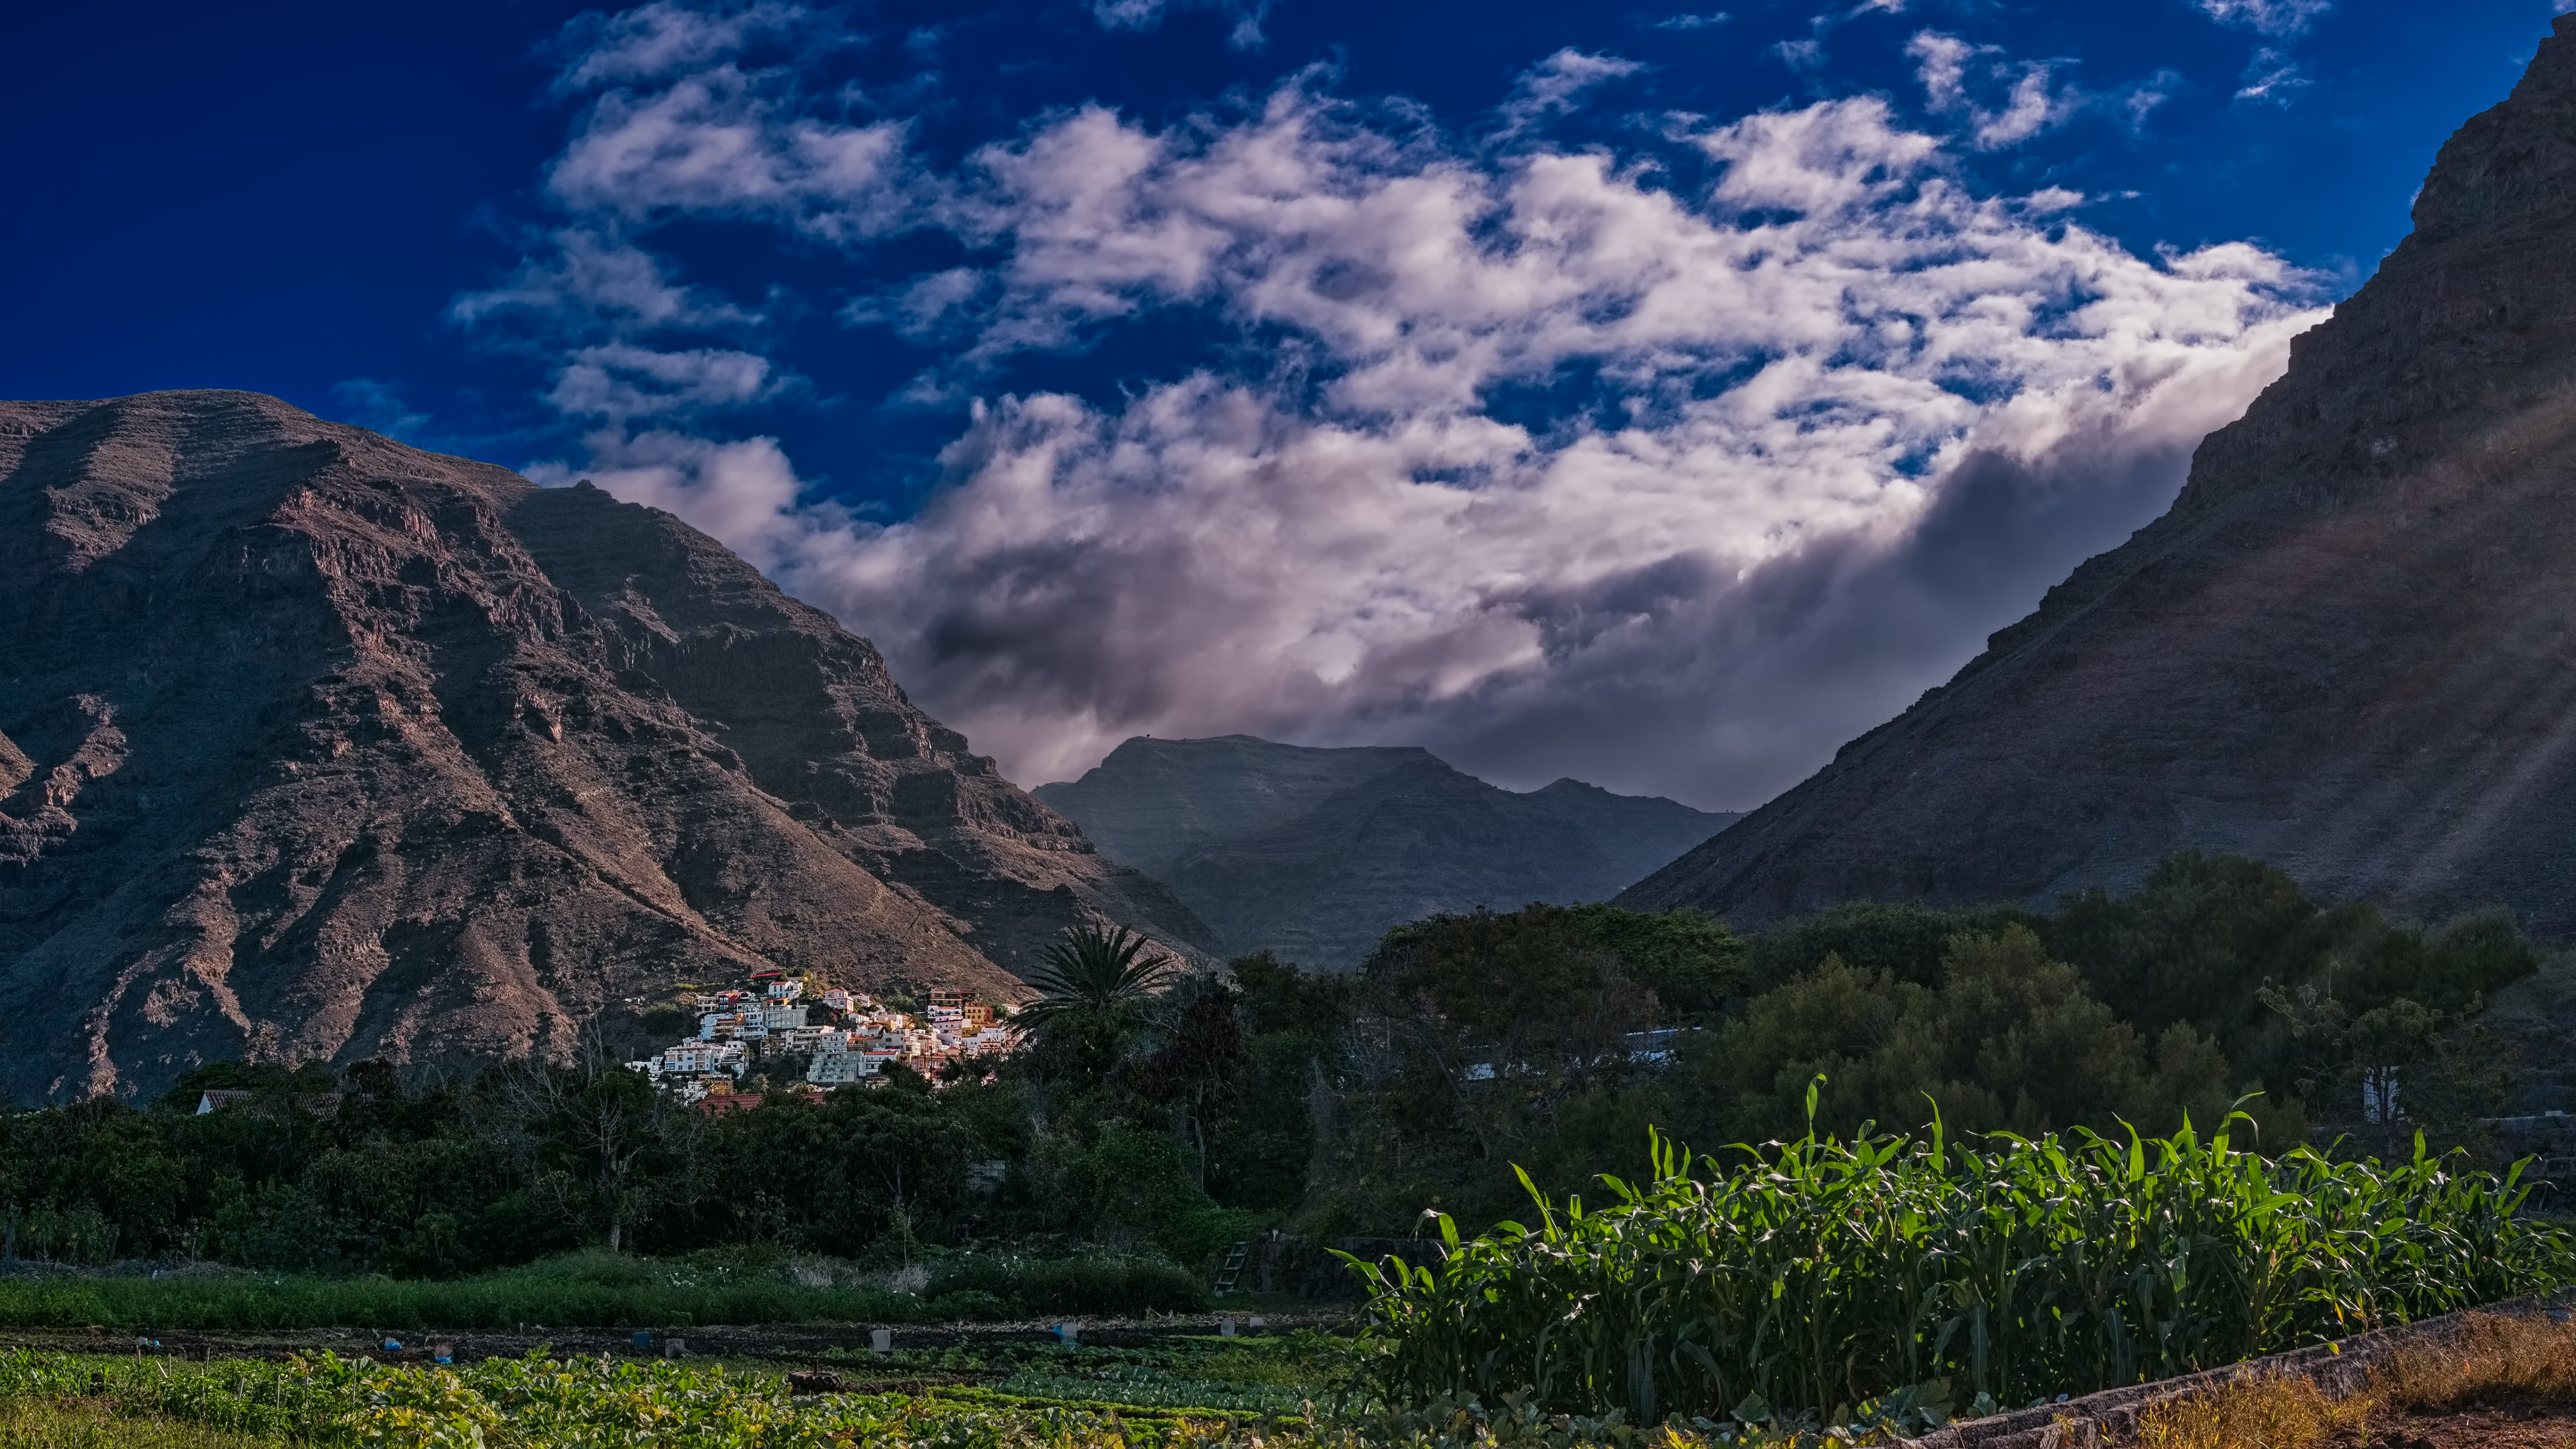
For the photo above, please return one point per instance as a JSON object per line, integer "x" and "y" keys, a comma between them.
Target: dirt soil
{"x": 843, "y": 1346}
{"x": 2498, "y": 1425}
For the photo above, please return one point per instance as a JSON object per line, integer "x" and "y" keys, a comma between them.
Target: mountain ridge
{"x": 2341, "y": 649}
{"x": 1315, "y": 853}
{"x": 304, "y": 754}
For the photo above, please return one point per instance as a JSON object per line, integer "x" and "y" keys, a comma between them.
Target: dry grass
{"x": 60, "y": 1424}
{"x": 2280, "y": 1411}
{"x": 2493, "y": 1356}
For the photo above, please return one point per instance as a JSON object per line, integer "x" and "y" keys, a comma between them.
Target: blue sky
{"x": 1654, "y": 394}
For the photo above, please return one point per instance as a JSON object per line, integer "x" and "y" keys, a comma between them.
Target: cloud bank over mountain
{"x": 1667, "y": 462}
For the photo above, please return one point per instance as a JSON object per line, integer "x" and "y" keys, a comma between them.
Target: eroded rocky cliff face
{"x": 2349, "y": 648}
{"x": 313, "y": 745}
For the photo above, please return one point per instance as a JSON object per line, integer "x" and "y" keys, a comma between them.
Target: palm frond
{"x": 1103, "y": 971}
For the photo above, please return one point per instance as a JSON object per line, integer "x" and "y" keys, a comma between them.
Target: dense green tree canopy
{"x": 1173, "y": 1111}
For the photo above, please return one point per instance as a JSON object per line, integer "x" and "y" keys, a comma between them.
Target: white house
{"x": 838, "y": 1069}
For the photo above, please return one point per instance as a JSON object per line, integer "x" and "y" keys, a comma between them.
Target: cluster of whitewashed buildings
{"x": 844, "y": 1038}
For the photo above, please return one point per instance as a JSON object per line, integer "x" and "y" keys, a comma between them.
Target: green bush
{"x": 1104, "y": 1286}
{"x": 1205, "y": 1233}
{"x": 597, "y": 1290}
{"x": 967, "y": 1304}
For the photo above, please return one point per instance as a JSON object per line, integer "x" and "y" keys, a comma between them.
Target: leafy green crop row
{"x": 1824, "y": 1273}
{"x": 535, "y": 1403}
{"x": 333, "y": 1401}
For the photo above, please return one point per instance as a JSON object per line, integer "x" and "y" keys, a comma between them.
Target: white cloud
{"x": 1801, "y": 55}
{"x": 729, "y": 142}
{"x": 1148, "y": 15}
{"x": 1717, "y": 17}
{"x": 620, "y": 381}
{"x": 594, "y": 304}
{"x": 744, "y": 492}
{"x": 1948, "y": 67}
{"x": 664, "y": 38}
{"x": 2268, "y": 17}
{"x": 1941, "y": 65}
{"x": 1816, "y": 430}
{"x": 592, "y": 280}
{"x": 1554, "y": 85}
{"x": 2271, "y": 77}
{"x": 2030, "y": 110}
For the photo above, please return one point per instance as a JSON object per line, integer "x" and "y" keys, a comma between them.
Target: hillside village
{"x": 835, "y": 1039}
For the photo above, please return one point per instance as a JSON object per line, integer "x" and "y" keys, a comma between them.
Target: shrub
{"x": 1104, "y": 1286}
{"x": 601, "y": 1290}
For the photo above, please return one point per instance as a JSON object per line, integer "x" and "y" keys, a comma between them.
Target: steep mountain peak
{"x": 320, "y": 746}
{"x": 1151, "y": 801}
{"x": 2346, "y": 648}
{"x": 2513, "y": 163}
{"x": 2453, "y": 336}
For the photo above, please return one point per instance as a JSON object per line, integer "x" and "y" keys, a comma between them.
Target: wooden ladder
{"x": 1235, "y": 1257}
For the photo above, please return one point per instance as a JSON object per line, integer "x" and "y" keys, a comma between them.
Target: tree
{"x": 2207, "y": 936}
{"x": 1296, "y": 1027}
{"x": 858, "y": 1168}
{"x": 1195, "y": 1074}
{"x": 1907, "y": 941}
{"x": 2378, "y": 1074}
{"x": 1689, "y": 959}
{"x": 1098, "y": 989}
{"x": 2010, "y": 1040}
{"x": 601, "y": 1147}
{"x": 2195, "y": 943}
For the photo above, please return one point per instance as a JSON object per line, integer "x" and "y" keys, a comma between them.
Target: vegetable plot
{"x": 538, "y": 1403}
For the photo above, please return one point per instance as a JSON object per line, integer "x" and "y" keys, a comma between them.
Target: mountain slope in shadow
{"x": 1315, "y": 853}
{"x": 2349, "y": 648}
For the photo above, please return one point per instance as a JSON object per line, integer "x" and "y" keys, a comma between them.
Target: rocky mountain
{"x": 313, "y": 745}
{"x": 2349, "y": 648}
{"x": 1314, "y": 853}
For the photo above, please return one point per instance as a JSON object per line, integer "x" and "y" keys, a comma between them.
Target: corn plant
{"x": 1820, "y": 1274}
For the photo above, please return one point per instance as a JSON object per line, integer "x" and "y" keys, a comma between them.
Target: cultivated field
{"x": 1906, "y": 1280}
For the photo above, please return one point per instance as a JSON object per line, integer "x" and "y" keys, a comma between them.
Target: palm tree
{"x": 1098, "y": 979}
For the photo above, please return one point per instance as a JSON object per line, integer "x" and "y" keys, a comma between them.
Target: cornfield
{"x": 1825, "y": 1274}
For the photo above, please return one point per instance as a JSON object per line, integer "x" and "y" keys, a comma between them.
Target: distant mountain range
{"x": 318, "y": 747}
{"x": 2349, "y": 648}
{"x": 1315, "y": 853}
